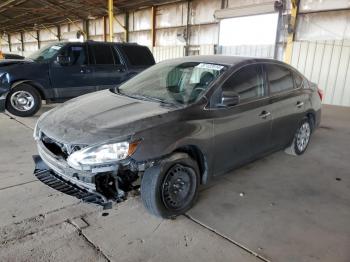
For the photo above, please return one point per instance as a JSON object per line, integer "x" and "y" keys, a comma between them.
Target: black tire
{"x": 154, "y": 185}
{"x": 294, "y": 149}
{"x": 28, "y": 89}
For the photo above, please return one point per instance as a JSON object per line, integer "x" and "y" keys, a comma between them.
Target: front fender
{"x": 163, "y": 140}
{"x": 44, "y": 92}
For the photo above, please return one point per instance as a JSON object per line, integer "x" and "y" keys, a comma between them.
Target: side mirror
{"x": 63, "y": 60}
{"x": 230, "y": 99}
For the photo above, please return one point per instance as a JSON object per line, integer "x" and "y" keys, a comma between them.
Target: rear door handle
{"x": 264, "y": 114}
{"x": 299, "y": 104}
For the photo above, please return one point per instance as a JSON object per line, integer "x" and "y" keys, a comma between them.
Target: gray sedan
{"x": 174, "y": 127}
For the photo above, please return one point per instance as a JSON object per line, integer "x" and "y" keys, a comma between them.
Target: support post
{"x": 59, "y": 37}
{"x": 9, "y": 41}
{"x": 22, "y": 42}
{"x": 153, "y": 28}
{"x": 187, "y": 33}
{"x": 104, "y": 29}
{"x": 86, "y": 29}
{"x": 38, "y": 38}
{"x": 126, "y": 32}
{"x": 279, "y": 31}
{"x": 110, "y": 19}
{"x": 291, "y": 31}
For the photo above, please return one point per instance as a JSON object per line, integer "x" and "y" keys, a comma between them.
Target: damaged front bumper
{"x": 53, "y": 180}
{"x": 54, "y": 171}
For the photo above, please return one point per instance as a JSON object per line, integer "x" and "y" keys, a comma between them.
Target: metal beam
{"x": 110, "y": 19}
{"x": 291, "y": 31}
{"x": 50, "y": 30}
{"x": 29, "y": 33}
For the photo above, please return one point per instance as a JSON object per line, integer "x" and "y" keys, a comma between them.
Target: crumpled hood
{"x": 101, "y": 116}
{"x": 8, "y": 62}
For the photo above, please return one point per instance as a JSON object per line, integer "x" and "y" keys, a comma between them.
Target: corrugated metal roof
{"x": 20, "y": 15}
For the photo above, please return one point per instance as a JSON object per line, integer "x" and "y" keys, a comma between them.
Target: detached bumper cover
{"x": 50, "y": 178}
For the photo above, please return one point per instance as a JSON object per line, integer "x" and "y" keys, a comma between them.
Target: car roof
{"x": 226, "y": 60}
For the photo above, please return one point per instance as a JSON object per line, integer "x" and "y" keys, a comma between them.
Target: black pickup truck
{"x": 64, "y": 70}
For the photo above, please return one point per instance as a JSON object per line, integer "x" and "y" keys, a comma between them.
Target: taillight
{"x": 320, "y": 93}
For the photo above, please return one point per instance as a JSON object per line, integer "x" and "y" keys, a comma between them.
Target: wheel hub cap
{"x": 303, "y": 136}
{"x": 22, "y": 100}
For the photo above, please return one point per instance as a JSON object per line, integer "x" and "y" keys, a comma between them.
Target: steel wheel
{"x": 177, "y": 189}
{"x": 22, "y": 101}
{"x": 303, "y": 136}
{"x": 170, "y": 188}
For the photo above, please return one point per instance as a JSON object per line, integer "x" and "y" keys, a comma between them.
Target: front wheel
{"x": 171, "y": 188}
{"x": 23, "y": 100}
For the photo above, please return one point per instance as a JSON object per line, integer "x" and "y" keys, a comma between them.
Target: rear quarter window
{"x": 299, "y": 81}
{"x": 138, "y": 55}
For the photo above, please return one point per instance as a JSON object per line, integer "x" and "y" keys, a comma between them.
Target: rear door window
{"x": 104, "y": 54}
{"x": 76, "y": 54}
{"x": 280, "y": 78}
{"x": 138, "y": 55}
{"x": 248, "y": 83}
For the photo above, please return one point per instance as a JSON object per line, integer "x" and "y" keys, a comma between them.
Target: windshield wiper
{"x": 147, "y": 98}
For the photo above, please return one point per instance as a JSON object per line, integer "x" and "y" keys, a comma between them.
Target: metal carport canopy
{"x": 25, "y": 15}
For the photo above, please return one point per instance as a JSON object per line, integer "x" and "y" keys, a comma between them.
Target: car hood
{"x": 101, "y": 116}
{"x": 8, "y": 62}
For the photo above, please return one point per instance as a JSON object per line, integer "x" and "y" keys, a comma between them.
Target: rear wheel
{"x": 171, "y": 188}
{"x": 23, "y": 100}
{"x": 301, "y": 138}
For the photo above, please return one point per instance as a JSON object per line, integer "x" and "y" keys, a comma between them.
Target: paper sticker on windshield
{"x": 210, "y": 66}
{"x": 56, "y": 47}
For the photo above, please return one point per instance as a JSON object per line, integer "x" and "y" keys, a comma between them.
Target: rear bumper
{"x": 56, "y": 181}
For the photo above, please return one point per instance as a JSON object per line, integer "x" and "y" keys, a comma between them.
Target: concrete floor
{"x": 279, "y": 208}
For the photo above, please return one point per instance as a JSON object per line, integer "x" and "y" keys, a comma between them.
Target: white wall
{"x": 333, "y": 25}
{"x": 327, "y": 64}
{"x": 321, "y": 5}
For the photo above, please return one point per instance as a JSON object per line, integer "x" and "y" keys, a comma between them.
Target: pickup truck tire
{"x": 170, "y": 188}
{"x": 23, "y": 100}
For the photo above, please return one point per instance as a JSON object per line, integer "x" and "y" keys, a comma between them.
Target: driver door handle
{"x": 264, "y": 114}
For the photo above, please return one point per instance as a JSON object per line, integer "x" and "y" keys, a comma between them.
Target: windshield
{"x": 173, "y": 82}
{"x": 46, "y": 52}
